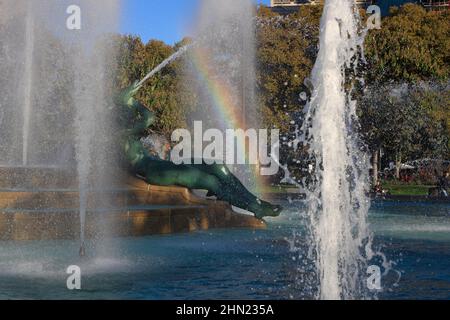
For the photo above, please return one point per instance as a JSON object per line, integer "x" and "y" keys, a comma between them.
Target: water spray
{"x": 163, "y": 64}
{"x": 82, "y": 251}
{"x": 28, "y": 86}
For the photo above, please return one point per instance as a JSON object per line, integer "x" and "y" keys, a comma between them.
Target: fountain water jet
{"x": 95, "y": 155}
{"x": 28, "y": 78}
{"x": 337, "y": 202}
{"x": 163, "y": 64}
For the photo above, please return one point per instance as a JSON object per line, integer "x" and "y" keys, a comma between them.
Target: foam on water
{"x": 411, "y": 226}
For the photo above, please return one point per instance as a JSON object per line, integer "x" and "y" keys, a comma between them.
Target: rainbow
{"x": 223, "y": 100}
{"x": 220, "y": 92}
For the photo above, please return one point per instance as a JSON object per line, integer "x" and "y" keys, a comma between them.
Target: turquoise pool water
{"x": 230, "y": 264}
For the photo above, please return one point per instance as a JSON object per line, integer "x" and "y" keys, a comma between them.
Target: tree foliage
{"x": 413, "y": 44}
{"x": 405, "y": 108}
{"x": 287, "y": 49}
{"x": 395, "y": 118}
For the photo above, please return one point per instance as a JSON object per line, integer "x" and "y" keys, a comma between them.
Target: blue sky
{"x": 166, "y": 20}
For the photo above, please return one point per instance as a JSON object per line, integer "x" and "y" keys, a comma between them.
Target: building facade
{"x": 435, "y": 4}
{"x": 296, "y": 3}
{"x": 288, "y": 6}
{"x": 287, "y": 3}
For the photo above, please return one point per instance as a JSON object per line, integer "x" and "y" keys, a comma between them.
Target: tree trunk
{"x": 375, "y": 167}
{"x": 398, "y": 163}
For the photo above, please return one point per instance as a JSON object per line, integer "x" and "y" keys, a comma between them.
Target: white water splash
{"x": 337, "y": 201}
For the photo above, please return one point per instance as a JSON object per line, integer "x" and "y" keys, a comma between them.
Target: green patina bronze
{"x": 216, "y": 179}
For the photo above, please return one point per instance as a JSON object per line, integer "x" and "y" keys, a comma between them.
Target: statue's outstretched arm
{"x": 144, "y": 118}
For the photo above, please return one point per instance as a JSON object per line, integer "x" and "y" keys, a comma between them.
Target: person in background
{"x": 443, "y": 184}
{"x": 378, "y": 189}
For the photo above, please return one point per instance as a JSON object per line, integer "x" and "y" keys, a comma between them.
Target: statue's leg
{"x": 226, "y": 176}
{"x": 166, "y": 173}
{"x": 235, "y": 185}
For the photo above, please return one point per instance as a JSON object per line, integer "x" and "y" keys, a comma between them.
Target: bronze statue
{"x": 216, "y": 179}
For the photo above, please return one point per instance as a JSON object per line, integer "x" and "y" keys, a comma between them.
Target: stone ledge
{"x": 135, "y": 209}
{"x": 46, "y": 225}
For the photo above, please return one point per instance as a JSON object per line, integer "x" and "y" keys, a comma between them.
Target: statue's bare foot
{"x": 266, "y": 209}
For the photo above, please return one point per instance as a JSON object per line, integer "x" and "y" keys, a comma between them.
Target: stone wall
{"x": 37, "y": 204}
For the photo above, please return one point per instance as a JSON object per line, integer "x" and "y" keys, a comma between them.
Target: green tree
{"x": 413, "y": 44}
{"x": 287, "y": 49}
{"x": 393, "y": 117}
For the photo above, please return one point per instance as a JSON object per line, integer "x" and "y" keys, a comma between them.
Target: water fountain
{"x": 56, "y": 163}
{"x": 337, "y": 202}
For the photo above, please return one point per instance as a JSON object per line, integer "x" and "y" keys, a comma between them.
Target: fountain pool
{"x": 230, "y": 264}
